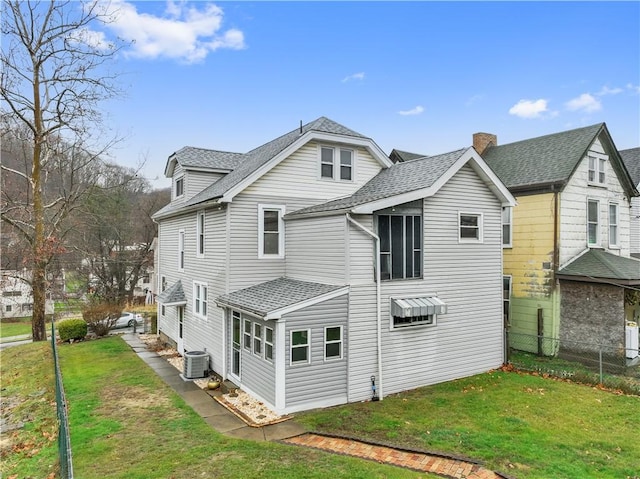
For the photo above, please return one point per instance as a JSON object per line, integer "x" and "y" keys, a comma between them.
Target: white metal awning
{"x": 421, "y": 306}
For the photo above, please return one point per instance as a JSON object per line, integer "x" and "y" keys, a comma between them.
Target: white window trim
{"x": 281, "y": 209}
{"x": 181, "y": 254}
{"x": 268, "y": 343}
{"x": 615, "y": 245}
{"x": 480, "y": 238}
{"x": 200, "y": 233}
{"x": 199, "y": 301}
{"x": 247, "y": 335}
{"x": 337, "y": 341}
{"x": 337, "y": 163}
{"x": 598, "y": 241}
{"x": 257, "y": 339}
{"x": 175, "y": 187}
{"x": 597, "y": 157}
{"x": 291, "y": 346}
{"x": 510, "y": 243}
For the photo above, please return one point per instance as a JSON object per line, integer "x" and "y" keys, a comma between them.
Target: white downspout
{"x": 378, "y": 311}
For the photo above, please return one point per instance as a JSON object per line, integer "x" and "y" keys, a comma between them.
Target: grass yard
{"x": 17, "y": 326}
{"x": 524, "y": 425}
{"x": 127, "y": 423}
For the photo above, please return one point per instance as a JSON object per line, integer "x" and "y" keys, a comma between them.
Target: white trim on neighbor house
{"x": 469, "y": 156}
{"x": 614, "y": 225}
{"x": 597, "y": 240}
{"x": 281, "y": 210}
{"x": 479, "y": 227}
{"x": 366, "y": 143}
{"x": 278, "y": 313}
{"x": 508, "y": 223}
{"x": 599, "y": 169}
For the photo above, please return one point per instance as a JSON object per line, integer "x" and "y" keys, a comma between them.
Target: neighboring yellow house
{"x": 567, "y": 242}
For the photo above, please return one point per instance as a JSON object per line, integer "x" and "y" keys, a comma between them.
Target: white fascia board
{"x": 204, "y": 169}
{"x": 175, "y": 303}
{"x": 171, "y": 165}
{"x": 366, "y": 143}
{"x": 468, "y": 156}
{"x": 278, "y": 313}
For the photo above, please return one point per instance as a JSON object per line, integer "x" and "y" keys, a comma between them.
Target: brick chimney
{"x": 483, "y": 140}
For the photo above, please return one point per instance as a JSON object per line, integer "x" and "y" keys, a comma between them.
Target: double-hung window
{"x": 470, "y": 227}
{"x": 200, "y": 233}
{"x": 181, "y": 250}
{"x": 299, "y": 346}
{"x": 247, "y": 334}
{"x": 268, "y": 344}
{"x": 270, "y": 231}
{"x": 179, "y": 187}
{"x": 593, "y": 222}
{"x": 507, "y": 225}
{"x": 200, "y": 299}
{"x": 333, "y": 342}
{"x": 400, "y": 246}
{"x": 613, "y": 225}
{"x": 336, "y": 163}
{"x": 597, "y": 169}
{"x": 257, "y": 339}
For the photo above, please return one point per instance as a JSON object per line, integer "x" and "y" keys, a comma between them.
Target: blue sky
{"x": 416, "y": 76}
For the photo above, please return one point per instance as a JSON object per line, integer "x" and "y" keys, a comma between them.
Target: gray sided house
{"x": 312, "y": 267}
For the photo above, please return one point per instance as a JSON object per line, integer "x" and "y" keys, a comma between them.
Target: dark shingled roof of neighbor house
{"x": 400, "y": 178}
{"x": 543, "y": 160}
{"x": 599, "y": 264}
{"x": 273, "y": 295}
{"x": 631, "y": 158}
{"x": 402, "y": 156}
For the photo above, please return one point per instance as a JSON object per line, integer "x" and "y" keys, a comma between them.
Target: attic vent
{"x": 195, "y": 364}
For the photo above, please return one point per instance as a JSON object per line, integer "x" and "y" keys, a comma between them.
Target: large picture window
{"x": 400, "y": 246}
{"x": 270, "y": 231}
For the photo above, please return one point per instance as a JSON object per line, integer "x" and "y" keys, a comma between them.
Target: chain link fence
{"x": 590, "y": 363}
{"x": 64, "y": 439}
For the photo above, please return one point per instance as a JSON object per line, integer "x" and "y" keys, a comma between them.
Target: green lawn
{"x": 524, "y": 425}
{"x": 127, "y": 423}
{"x": 17, "y": 327}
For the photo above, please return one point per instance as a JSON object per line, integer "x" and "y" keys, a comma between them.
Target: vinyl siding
{"x": 198, "y": 333}
{"x": 299, "y": 175}
{"x": 320, "y": 380}
{"x": 634, "y": 227}
{"x": 468, "y": 277}
{"x": 573, "y": 212}
{"x": 316, "y": 249}
{"x": 196, "y": 181}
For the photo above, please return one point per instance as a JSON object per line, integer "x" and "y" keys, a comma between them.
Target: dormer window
{"x": 179, "y": 188}
{"x": 336, "y": 163}
{"x": 597, "y": 169}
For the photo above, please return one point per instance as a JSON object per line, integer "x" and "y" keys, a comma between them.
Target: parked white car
{"x": 127, "y": 319}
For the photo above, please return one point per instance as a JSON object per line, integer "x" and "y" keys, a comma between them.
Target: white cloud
{"x": 185, "y": 32}
{"x": 633, "y": 88}
{"x": 529, "y": 108}
{"x": 585, "y": 102}
{"x": 355, "y": 76}
{"x": 414, "y": 111}
{"x": 605, "y": 90}
{"x": 93, "y": 39}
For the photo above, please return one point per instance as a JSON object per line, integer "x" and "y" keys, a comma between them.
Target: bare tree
{"x": 54, "y": 78}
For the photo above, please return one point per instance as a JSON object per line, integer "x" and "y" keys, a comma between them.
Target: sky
{"x": 415, "y": 76}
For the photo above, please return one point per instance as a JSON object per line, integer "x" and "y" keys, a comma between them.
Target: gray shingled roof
{"x": 631, "y": 158}
{"x": 546, "y": 159}
{"x": 191, "y": 157}
{"x": 398, "y": 179}
{"x": 173, "y": 294}
{"x": 598, "y": 264}
{"x": 264, "y": 298}
{"x": 259, "y": 156}
{"x": 402, "y": 156}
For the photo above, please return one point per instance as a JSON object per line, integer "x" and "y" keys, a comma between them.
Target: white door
{"x": 180, "y": 329}
{"x": 236, "y": 334}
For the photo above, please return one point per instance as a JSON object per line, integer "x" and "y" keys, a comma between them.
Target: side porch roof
{"x": 173, "y": 295}
{"x": 598, "y": 266}
{"x": 273, "y": 299}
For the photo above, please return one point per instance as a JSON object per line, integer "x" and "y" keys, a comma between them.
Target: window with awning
{"x": 421, "y": 310}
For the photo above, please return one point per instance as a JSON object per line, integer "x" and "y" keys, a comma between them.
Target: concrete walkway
{"x": 290, "y": 432}
{"x": 202, "y": 402}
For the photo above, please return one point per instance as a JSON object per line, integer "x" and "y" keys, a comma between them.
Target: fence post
{"x": 600, "y": 361}
{"x": 64, "y": 439}
{"x": 540, "y": 330}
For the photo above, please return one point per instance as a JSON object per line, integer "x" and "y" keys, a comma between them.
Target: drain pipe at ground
{"x": 378, "y": 312}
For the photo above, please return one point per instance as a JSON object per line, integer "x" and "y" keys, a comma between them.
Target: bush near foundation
{"x": 75, "y": 329}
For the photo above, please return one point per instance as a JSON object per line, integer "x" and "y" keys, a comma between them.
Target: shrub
{"x": 101, "y": 317}
{"x": 72, "y": 329}
{"x": 154, "y": 322}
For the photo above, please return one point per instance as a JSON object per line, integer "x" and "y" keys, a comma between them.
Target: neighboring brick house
{"x": 567, "y": 243}
{"x": 312, "y": 266}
